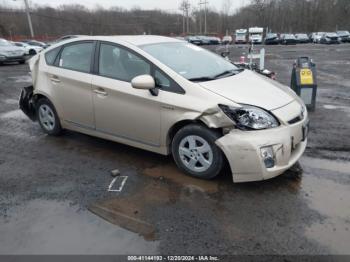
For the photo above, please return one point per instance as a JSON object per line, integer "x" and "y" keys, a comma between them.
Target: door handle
{"x": 55, "y": 79}
{"x": 100, "y": 91}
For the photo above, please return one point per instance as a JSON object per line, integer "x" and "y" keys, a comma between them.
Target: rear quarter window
{"x": 51, "y": 55}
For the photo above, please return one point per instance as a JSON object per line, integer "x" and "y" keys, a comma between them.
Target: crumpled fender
{"x": 34, "y": 67}
{"x": 215, "y": 118}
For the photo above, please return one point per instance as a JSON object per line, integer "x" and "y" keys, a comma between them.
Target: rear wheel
{"x": 47, "y": 117}
{"x": 195, "y": 152}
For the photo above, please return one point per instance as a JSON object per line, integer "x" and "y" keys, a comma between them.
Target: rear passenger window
{"x": 50, "y": 56}
{"x": 119, "y": 63}
{"x": 77, "y": 57}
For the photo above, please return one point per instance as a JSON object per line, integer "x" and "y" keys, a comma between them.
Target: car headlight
{"x": 250, "y": 117}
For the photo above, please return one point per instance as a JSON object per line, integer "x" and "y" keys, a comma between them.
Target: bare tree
{"x": 277, "y": 15}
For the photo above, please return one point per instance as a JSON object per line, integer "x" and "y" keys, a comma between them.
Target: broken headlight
{"x": 250, "y": 117}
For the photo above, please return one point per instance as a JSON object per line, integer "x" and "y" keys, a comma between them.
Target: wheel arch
{"x": 39, "y": 95}
{"x": 182, "y": 123}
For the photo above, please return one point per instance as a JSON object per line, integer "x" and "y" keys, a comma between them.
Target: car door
{"x": 71, "y": 81}
{"x": 121, "y": 110}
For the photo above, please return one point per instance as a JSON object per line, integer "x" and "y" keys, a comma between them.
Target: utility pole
{"x": 200, "y": 18}
{"x": 185, "y": 7}
{"x": 204, "y": 2}
{"x": 187, "y": 16}
{"x": 183, "y": 22}
{"x": 28, "y": 18}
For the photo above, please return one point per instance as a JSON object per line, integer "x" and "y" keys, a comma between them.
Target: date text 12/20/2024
{"x": 173, "y": 258}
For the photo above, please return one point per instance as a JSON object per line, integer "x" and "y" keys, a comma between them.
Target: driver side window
{"x": 121, "y": 64}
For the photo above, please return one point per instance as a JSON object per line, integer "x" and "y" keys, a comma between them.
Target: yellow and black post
{"x": 304, "y": 81}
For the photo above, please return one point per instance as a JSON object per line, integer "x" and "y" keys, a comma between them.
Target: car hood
{"x": 251, "y": 88}
{"x": 10, "y": 48}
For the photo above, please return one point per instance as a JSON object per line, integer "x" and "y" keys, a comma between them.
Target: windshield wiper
{"x": 228, "y": 73}
{"x": 209, "y": 78}
{"x": 201, "y": 79}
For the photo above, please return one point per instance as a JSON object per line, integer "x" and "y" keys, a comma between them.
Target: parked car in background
{"x": 302, "y": 38}
{"x": 316, "y": 37}
{"x": 67, "y": 37}
{"x": 63, "y": 38}
{"x": 288, "y": 39}
{"x": 344, "y": 36}
{"x": 205, "y": 40}
{"x": 227, "y": 40}
{"x": 213, "y": 40}
{"x": 330, "y": 38}
{"x": 272, "y": 39}
{"x": 194, "y": 40}
{"x": 167, "y": 96}
{"x": 29, "y": 49}
{"x": 180, "y": 38}
{"x": 35, "y": 43}
{"x": 11, "y": 53}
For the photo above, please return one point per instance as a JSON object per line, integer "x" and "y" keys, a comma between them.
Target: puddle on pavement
{"x": 172, "y": 173}
{"x": 165, "y": 185}
{"x": 330, "y": 199}
{"x": 336, "y": 166}
{"x": 50, "y": 227}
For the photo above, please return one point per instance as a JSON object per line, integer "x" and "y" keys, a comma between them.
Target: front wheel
{"x": 47, "y": 117}
{"x": 195, "y": 152}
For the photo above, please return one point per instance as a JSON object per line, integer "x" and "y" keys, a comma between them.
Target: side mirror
{"x": 143, "y": 82}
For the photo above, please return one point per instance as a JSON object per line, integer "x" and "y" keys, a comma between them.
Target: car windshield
{"x": 301, "y": 36}
{"x": 190, "y": 61}
{"x": 3, "y": 42}
{"x": 288, "y": 36}
{"x": 271, "y": 35}
{"x": 331, "y": 35}
{"x": 343, "y": 33}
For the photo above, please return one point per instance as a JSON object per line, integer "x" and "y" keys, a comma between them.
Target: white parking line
{"x": 110, "y": 187}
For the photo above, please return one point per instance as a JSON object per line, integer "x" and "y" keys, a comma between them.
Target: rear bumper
{"x": 12, "y": 58}
{"x": 243, "y": 151}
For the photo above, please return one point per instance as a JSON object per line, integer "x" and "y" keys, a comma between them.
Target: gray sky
{"x": 168, "y": 5}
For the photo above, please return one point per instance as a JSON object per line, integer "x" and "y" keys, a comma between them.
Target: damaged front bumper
{"x": 26, "y": 102}
{"x": 244, "y": 151}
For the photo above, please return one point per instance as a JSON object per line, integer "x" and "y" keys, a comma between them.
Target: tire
{"x": 186, "y": 149}
{"x": 48, "y": 118}
{"x": 32, "y": 52}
